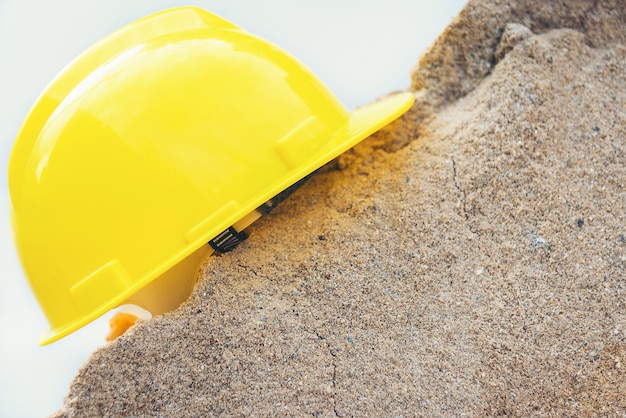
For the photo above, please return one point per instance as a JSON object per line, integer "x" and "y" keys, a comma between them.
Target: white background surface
{"x": 361, "y": 49}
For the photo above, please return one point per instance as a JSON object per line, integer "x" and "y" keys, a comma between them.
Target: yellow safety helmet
{"x": 167, "y": 134}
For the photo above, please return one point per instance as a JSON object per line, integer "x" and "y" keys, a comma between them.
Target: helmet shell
{"x": 152, "y": 143}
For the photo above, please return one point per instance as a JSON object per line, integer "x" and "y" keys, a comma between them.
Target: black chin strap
{"x": 230, "y": 238}
{"x": 268, "y": 206}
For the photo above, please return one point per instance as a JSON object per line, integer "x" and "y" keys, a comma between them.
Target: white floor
{"x": 360, "y": 48}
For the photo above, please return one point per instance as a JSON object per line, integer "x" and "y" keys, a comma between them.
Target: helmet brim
{"x": 366, "y": 120}
{"x": 361, "y": 123}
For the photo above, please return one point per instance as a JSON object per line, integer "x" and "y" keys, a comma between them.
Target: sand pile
{"x": 470, "y": 259}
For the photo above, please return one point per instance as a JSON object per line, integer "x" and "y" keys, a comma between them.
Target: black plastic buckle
{"x": 227, "y": 240}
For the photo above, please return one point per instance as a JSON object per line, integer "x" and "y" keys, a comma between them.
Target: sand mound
{"x": 470, "y": 259}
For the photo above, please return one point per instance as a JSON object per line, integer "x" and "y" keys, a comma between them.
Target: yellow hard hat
{"x": 167, "y": 134}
